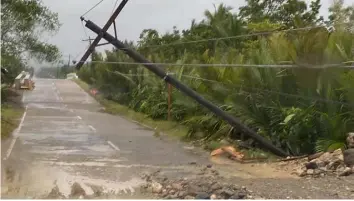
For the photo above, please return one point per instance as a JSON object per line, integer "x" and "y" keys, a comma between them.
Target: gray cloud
{"x": 136, "y": 16}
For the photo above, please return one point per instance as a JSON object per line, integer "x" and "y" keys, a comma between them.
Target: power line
{"x": 83, "y": 26}
{"x": 239, "y": 36}
{"x": 115, "y": 4}
{"x": 92, "y": 8}
{"x": 240, "y": 86}
{"x": 342, "y": 65}
{"x": 135, "y": 75}
{"x": 234, "y": 37}
{"x": 270, "y": 91}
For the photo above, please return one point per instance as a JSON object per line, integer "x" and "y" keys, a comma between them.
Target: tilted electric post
{"x": 99, "y": 36}
{"x": 185, "y": 89}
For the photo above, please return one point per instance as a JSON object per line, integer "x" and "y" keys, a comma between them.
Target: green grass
{"x": 10, "y": 118}
{"x": 170, "y": 128}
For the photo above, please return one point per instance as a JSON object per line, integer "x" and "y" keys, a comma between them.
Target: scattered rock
{"x": 213, "y": 197}
{"x": 334, "y": 164}
{"x": 226, "y": 193}
{"x": 188, "y": 197}
{"x": 310, "y": 171}
{"x": 311, "y": 165}
{"x": 350, "y": 140}
{"x": 240, "y": 195}
{"x": 156, "y": 187}
{"x": 205, "y": 186}
{"x": 202, "y": 196}
{"x": 174, "y": 196}
{"x": 77, "y": 190}
{"x": 348, "y": 156}
{"x": 182, "y": 194}
{"x": 216, "y": 186}
{"x": 325, "y": 163}
{"x": 347, "y": 171}
{"x": 55, "y": 194}
{"x": 177, "y": 186}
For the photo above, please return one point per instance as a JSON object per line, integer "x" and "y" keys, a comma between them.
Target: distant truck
{"x": 24, "y": 81}
{"x": 71, "y": 76}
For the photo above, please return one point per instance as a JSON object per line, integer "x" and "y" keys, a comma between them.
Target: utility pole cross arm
{"x": 100, "y": 35}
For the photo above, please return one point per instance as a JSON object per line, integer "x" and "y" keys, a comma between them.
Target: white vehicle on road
{"x": 71, "y": 76}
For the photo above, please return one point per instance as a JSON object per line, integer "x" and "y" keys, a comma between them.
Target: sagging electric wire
{"x": 245, "y": 87}
{"x": 114, "y": 7}
{"x": 339, "y": 65}
{"x": 270, "y": 91}
{"x": 329, "y": 29}
{"x": 93, "y": 7}
{"x": 83, "y": 26}
{"x": 135, "y": 75}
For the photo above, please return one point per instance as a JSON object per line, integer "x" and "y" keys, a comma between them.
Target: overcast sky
{"x": 136, "y": 16}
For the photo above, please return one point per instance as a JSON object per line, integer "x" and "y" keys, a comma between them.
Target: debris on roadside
{"x": 338, "y": 162}
{"x": 229, "y": 152}
{"x": 201, "y": 186}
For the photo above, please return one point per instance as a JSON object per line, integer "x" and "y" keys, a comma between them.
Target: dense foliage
{"x": 22, "y": 25}
{"x": 299, "y": 109}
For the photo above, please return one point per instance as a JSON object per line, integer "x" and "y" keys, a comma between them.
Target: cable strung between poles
{"x": 269, "y": 91}
{"x": 99, "y": 36}
{"x": 92, "y": 8}
{"x": 231, "y": 65}
{"x": 236, "y": 36}
{"x": 186, "y": 90}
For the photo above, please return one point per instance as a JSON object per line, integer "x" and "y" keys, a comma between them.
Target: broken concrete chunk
{"x": 77, "y": 190}
{"x": 350, "y": 140}
{"x": 348, "y": 156}
{"x": 347, "y": 171}
{"x": 156, "y": 187}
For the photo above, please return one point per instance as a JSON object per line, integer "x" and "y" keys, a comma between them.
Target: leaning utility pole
{"x": 185, "y": 89}
{"x": 99, "y": 36}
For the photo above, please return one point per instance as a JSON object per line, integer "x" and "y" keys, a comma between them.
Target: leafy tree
{"x": 301, "y": 110}
{"x": 22, "y": 23}
{"x": 291, "y": 13}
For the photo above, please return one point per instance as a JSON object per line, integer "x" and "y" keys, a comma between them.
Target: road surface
{"x": 64, "y": 138}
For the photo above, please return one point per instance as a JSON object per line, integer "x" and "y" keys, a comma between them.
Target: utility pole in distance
{"x": 90, "y": 43}
{"x": 69, "y": 61}
{"x": 100, "y": 35}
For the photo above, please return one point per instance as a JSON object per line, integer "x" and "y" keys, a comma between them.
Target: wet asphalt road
{"x": 63, "y": 138}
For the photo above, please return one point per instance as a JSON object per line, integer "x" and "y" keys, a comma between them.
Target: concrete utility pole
{"x": 100, "y": 35}
{"x": 158, "y": 70}
{"x": 90, "y": 43}
{"x": 69, "y": 61}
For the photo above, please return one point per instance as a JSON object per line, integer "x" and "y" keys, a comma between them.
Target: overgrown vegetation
{"x": 301, "y": 110}
{"x": 10, "y": 118}
{"x": 22, "y": 25}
